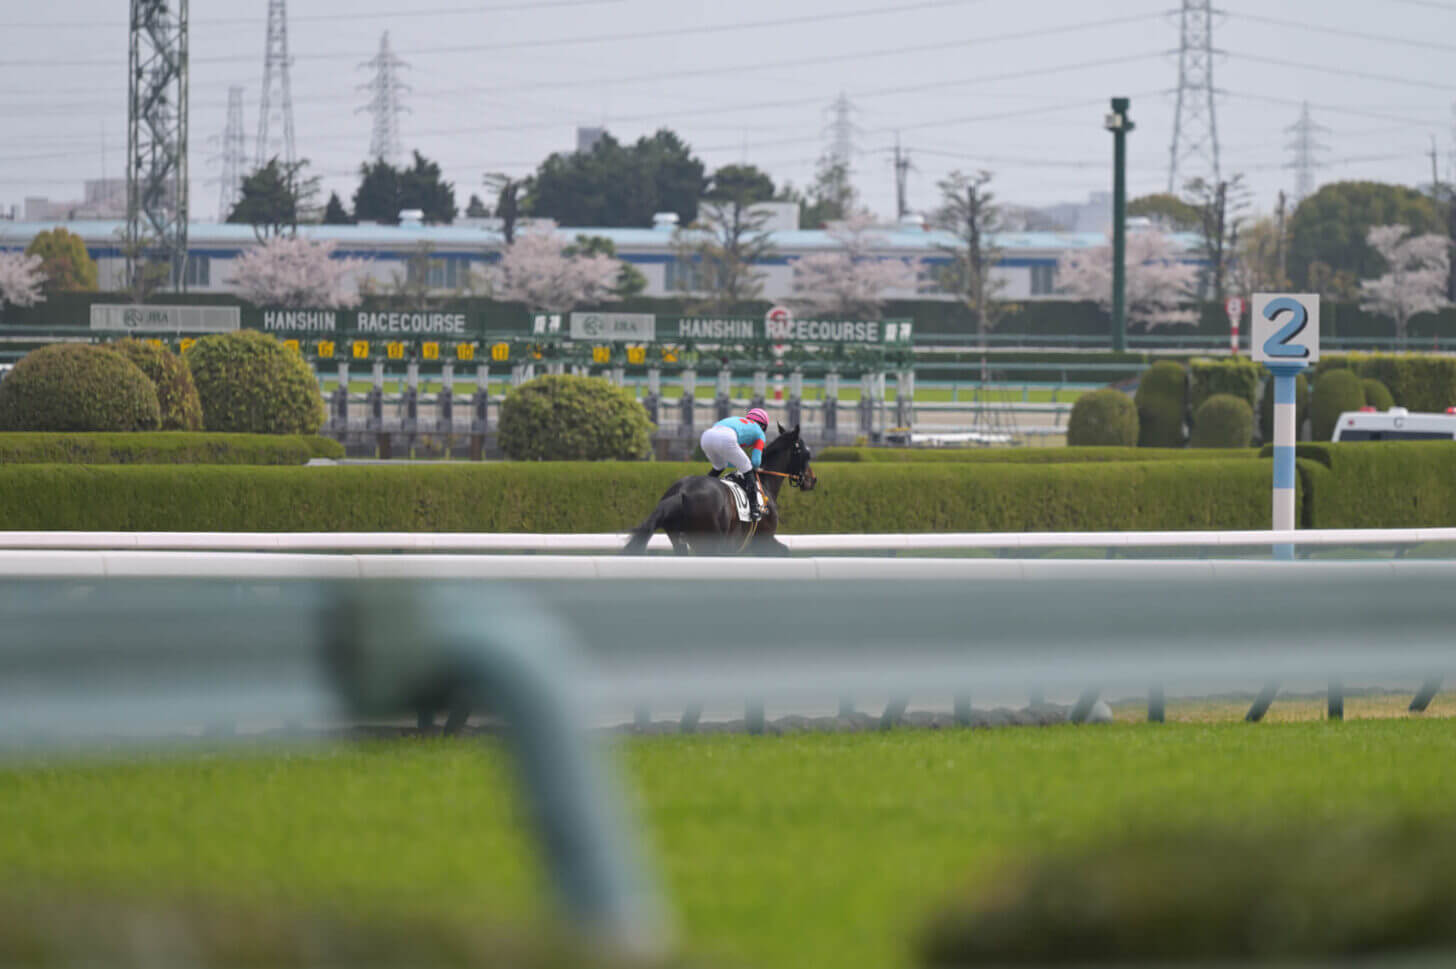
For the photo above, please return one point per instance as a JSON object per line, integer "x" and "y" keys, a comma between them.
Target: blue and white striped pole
{"x": 1285, "y": 338}
{"x": 1286, "y": 377}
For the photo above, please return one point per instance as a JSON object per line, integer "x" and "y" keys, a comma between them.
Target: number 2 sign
{"x": 1285, "y": 328}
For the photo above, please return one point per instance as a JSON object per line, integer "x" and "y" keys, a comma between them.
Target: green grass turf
{"x": 796, "y": 851}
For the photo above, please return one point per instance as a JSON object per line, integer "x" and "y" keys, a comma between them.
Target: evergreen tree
{"x": 385, "y": 191}
{"x": 274, "y": 197}
{"x": 334, "y": 211}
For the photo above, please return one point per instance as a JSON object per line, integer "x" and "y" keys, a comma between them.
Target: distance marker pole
{"x": 1286, "y": 376}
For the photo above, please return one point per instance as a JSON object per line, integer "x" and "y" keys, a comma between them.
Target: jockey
{"x": 726, "y": 442}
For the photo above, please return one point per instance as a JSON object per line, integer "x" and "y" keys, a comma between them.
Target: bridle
{"x": 799, "y": 479}
{"x": 796, "y": 480}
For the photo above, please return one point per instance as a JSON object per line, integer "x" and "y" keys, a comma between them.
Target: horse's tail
{"x": 666, "y": 510}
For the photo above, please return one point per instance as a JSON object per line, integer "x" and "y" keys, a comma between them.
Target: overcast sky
{"x": 1019, "y": 88}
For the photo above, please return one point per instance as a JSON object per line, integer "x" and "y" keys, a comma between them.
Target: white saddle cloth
{"x": 740, "y": 497}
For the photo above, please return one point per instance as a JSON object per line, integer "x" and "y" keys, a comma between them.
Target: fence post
{"x": 831, "y": 407}
{"x": 760, "y": 389}
{"x": 376, "y": 410}
{"x": 341, "y": 401}
{"x": 905, "y": 398}
{"x": 796, "y": 398}
{"x": 480, "y": 411}
{"x": 411, "y": 406}
{"x": 867, "y": 405}
{"x": 654, "y": 393}
{"x": 445, "y": 421}
{"x": 686, "y": 405}
{"x": 723, "y": 402}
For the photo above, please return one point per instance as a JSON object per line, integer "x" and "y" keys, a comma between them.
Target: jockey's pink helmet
{"x": 759, "y": 416}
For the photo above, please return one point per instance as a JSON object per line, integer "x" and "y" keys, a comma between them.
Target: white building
{"x": 458, "y": 257}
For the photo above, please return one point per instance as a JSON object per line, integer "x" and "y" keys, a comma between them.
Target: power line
{"x": 1342, "y": 32}
{"x": 1334, "y": 108}
{"x": 1282, "y": 61}
{"x": 707, "y": 71}
{"x": 580, "y": 39}
{"x": 352, "y": 15}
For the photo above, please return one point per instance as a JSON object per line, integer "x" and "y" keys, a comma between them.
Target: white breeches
{"x": 720, "y": 444}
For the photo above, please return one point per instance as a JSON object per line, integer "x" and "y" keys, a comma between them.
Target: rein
{"x": 797, "y": 480}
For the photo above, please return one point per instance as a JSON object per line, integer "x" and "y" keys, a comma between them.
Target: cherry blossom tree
{"x": 851, "y": 281}
{"x": 536, "y": 270}
{"x": 288, "y": 271}
{"x": 1415, "y": 278}
{"x": 1158, "y": 284}
{"x": 21, "y": 279}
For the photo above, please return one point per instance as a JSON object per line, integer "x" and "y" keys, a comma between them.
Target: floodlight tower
{"x": 156, "y": 140}
{"x": 1195, "y": 127}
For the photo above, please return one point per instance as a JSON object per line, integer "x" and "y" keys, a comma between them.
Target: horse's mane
{"x": 782, "y": 441}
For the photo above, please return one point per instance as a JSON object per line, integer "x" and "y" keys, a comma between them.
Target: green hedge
{"x": 1018, "y": 455}
{"x": 163, "y": 447}
{"x": 613, "y": 496}
{"x": 1378, "y": 484}
{"x": 1269, "y": 895}
{"x": 1417, "y": 381}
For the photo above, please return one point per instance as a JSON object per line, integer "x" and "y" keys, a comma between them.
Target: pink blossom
{"x": 20, "y": 279}
{"x": 288, "y": 271}
{"x": 851, "y": 281}
{"x": 1416, "y": 278}
{"x": 1158, "y": 284}
{"x": 536, "y": 271}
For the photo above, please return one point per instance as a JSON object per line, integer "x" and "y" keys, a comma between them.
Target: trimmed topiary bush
{"x": 1223, "y": 420}
{"x": 1336, "y": 392}
{"x": 1239, "y": 377}
{"x": 1377, "y": 395}
{"x": 176, "y": 393}
{"x": 1266, "y": 408}
{"x": 1161, "y": 398}
{"x": 566, "y": 418}
{"x": 77, "y": 387}
{"x": 249, "y": 382}
{"x": 1103, "y": 418}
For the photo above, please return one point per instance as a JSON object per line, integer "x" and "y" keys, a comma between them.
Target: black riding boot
{"x": 749, "y": 480}
{"x": 714, "y": 472}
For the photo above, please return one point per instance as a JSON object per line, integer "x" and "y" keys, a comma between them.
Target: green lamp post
{"x": 1119, "y": 124}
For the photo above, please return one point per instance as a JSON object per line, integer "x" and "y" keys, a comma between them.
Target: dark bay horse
{"x": 699, "y": 515}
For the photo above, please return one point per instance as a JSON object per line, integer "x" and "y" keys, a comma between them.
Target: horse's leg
{"x": 679, "y": 544}
{"x": 768, "y": 545}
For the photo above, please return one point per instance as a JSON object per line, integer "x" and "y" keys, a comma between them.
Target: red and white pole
{"x": 1234, "y": 307}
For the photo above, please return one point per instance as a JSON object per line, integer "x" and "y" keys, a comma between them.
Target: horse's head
{"x": 796, "y": 457}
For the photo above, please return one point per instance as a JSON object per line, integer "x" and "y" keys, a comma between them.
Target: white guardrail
{"x": 466, "y": 542}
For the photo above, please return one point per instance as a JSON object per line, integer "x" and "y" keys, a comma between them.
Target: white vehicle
{"x": 1396, "y": 424}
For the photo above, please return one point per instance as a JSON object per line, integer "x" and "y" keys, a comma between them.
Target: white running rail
{"x": 464, "y": 542}
{"x": 270, "y": 567}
